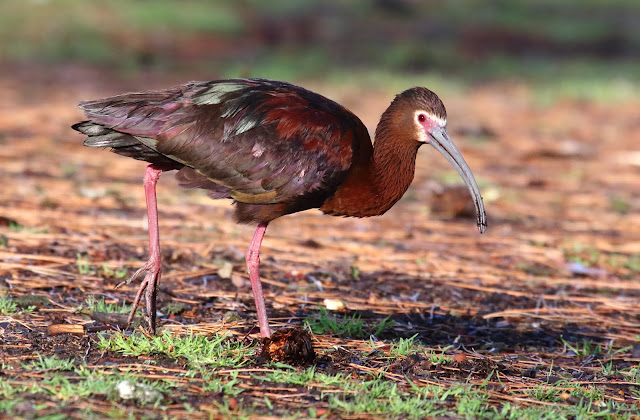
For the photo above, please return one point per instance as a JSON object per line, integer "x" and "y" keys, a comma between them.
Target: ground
{"x": 412, "y": 314}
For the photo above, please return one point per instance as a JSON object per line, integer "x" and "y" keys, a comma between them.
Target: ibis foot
{"x": 150, "y": 286}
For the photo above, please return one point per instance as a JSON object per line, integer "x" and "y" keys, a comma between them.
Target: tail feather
{"x": 123, "y": 144}
{"x": 120, "y": 122}
{"x": 100, "y": 136}
{"x": 138, "y": 114}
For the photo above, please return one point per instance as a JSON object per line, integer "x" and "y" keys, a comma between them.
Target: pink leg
{"x": 253, "y": 262}
{"x": 153, "y": 266}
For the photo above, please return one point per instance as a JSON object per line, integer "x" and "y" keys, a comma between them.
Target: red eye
{"x": 421, "y": 118}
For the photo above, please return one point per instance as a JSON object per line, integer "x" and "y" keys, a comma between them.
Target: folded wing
{"x": 254, "y": 140}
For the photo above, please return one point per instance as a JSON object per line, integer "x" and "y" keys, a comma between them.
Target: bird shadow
{"x": 455, "y": 317}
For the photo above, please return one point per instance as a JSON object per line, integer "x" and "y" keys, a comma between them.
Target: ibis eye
{"x": 421, "y": 118}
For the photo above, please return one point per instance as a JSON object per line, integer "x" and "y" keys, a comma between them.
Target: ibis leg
{"x": 253, "y": 262}
{"x": 153, "y": 266}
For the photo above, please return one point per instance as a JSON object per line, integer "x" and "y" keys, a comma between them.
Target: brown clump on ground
{"x": 292, "y": 346}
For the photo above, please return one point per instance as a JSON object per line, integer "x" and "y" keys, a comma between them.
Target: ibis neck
{"x": 392, "y": 169}
{"x": 377, "y": 179}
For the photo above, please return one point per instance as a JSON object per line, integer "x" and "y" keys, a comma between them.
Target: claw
{"x": 135, "y": 276}
{"x": 149, "y": 284}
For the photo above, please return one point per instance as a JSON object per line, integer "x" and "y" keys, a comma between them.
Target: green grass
{"x": 626, "y": 265}
{"x": 589, "y": 350}
{"x": 10, "y": 306}
{"x": 585, "y": 349}
{"x": 84, "y": 267}
{"x": 289, "y": 375}
{"x": 192, "y": 16}
{"x": 49, "y": 364}
{"x": 116, "y": 273}
{"x": 196, "y": 350}
{"x": 83, "y": 264}
{"x": 325, "y": 322}
{"x": 17, "y": 227}
{"x": 405, "y": 347}
{"x": 353, "y": 393}
{"x": 225, "y": 386}
{"x": 70, "y": 30}
{"x": 630, "y": 262}
{"x": 375, "y": 396}
{"x": 100, "y": 305}
{"x": 68, "y": 380}
{"x": 379, "y": 397}
{"x": 579, "y": 253}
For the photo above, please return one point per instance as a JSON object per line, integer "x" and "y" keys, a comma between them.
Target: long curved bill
{"x": 443, "y": 144}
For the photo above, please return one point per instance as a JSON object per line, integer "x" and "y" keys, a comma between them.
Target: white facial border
{"x": 436, "y": 121}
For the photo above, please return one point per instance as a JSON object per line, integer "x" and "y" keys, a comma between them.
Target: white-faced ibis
{"x": 275, "y": 149}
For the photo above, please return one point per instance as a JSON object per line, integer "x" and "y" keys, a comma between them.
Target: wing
{"x": 262, "y": 141}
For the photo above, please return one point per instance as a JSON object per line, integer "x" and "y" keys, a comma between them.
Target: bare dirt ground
{"x": 560, "y": 184}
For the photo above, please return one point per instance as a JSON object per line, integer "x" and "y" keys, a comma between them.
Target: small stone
{"x": 231, "y": 316}
{"x": 142, "y": 394}
{"x": 126, "y": 390}
{"x": 460, "y": 357}
{"x": 226, "y": 270}
{"x": 578, "y": 269}
{"x": 311, "y": 243}
{"x": 334, "y": 304}
{"x": 552, "y": 379}
{"x": 174, "y": 308}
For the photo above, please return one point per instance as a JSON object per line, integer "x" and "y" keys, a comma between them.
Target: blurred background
{"x": 580, "y": 48}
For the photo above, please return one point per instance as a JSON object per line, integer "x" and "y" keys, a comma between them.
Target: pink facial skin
{"x": 427, "y": 122}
